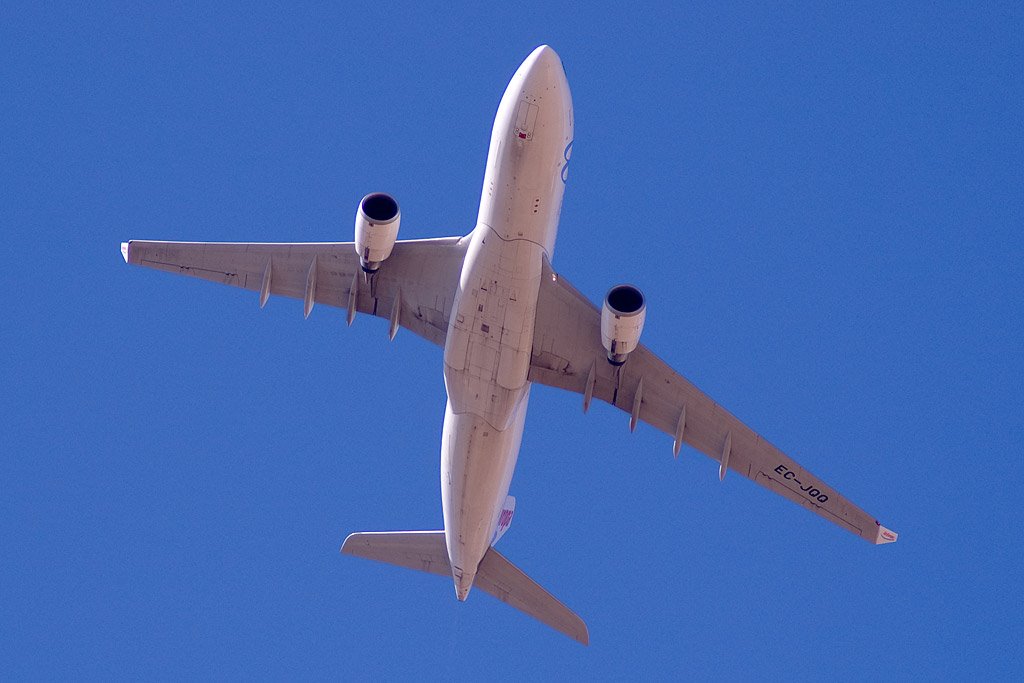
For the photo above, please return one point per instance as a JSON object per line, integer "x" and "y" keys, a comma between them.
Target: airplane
{"x": 505, "y": 320}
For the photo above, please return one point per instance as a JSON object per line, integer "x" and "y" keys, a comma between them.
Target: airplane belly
{"x": 487, "y": 360}
{"x": 490, "y": 331}
{"x": 477, "y": 462}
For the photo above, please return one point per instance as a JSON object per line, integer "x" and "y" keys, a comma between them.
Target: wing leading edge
{"x": 567, "y": 354}
{"x": 414, "y": 288}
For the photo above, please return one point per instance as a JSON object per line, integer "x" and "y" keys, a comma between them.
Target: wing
{"x": 567, "y": 353}
{"x": 414, "y": 288}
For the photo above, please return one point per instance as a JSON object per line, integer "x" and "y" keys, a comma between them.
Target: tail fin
{"x": 504, "y": 518}
{"x": 426, "y": 551}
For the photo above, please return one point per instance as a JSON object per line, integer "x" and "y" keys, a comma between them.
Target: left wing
{"x": 567, "y": 353}
{"x": 414, "y": 288}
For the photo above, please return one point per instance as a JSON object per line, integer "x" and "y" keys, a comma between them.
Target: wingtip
{"x": 885, "y": 535}
{"x": 124, "y": 251}
{"x": 583, "y": 638}
{"x": 348, "y": 545}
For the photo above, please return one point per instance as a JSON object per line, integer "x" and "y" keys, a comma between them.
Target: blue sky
{"x": 823, "y": 206}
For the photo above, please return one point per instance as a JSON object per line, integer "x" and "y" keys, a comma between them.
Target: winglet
{"x": 124, "y": 251}
{"x": 885, "y": 535}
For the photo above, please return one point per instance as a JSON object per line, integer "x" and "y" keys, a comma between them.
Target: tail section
{"x": 504, "y": 518}
{"x": 508, "y": 583}
{"x": 425, "y": 551}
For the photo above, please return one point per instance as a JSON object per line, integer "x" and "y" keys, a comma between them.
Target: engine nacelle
{"x": 377, "y": 220}
{"x": 622, "y": 321}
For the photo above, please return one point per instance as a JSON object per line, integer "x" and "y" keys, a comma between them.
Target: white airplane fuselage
{"x": 487, "y": 287}
{"x": 490, "y": 332}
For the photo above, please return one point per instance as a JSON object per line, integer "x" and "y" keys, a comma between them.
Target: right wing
{"x": 567, "y": 353}
{"x": 414, "y": 288}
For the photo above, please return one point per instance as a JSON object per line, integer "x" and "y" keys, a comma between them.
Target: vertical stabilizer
{"x": 504, "y": 518}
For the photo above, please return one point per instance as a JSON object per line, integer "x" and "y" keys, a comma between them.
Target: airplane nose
{"x": 541, "y": 70}
{"x": 544, "y": 56}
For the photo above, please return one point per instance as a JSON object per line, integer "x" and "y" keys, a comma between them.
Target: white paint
{"x": 490, "y": 334}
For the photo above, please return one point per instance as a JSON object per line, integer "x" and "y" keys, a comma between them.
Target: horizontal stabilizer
{"x": 423, "y": 551}
{"x": 426, "y": 551}
{"x": 508, "y": 583}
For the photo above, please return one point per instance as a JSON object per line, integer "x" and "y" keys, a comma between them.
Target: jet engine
{"x": 377, "y": 220}
{"x": 622, "y": 321}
